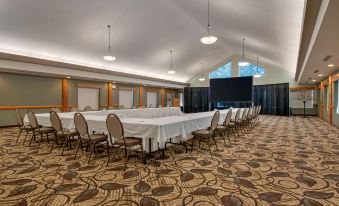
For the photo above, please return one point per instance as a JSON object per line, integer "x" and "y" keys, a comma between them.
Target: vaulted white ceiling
{"x": 143, "y": 32}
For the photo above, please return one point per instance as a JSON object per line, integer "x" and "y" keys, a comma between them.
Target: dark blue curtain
{"x": 273, "y": 98}
{"x": 196, "y": 99}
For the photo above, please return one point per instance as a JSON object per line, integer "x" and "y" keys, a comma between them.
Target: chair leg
{"x": 215, "y": 142}
{"x": 18, "y": 136}
{"x": 25, "y": 138}
{"x": 209, "y": 147}
{"x": 77, "y": 148}
{"x": 90, "y": 154}
{"x": 192, "y": 145}
{"x": 126, "y": 158}
{"x": 64, "y": 145}
{"x": 55, "y": 139}
{"x": 223, "y": 137}
{"x": 41, "y": 140}
{"x": 33, "y": 137}
{"x": 142, "y": 154}
{"x": 108, "y": 149}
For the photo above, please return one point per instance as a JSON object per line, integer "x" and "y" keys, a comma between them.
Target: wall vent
{"x": 316, "y": 71}
{"x": 326, "y": 58}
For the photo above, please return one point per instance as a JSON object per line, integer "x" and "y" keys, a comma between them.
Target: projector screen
{"x": 237, "y": 89}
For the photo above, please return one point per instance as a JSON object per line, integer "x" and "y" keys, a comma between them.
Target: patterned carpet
{"x": 285, "y": 161}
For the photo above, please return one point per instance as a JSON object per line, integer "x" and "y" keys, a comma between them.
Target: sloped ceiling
{"x": 143, "y": 32}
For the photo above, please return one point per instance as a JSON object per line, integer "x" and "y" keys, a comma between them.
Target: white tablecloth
{"x": 158, "y": 130}
{"x": 143, "y": 113}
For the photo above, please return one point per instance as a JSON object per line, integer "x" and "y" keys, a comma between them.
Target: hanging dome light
{"x": 209, "y": 39}
{"x": 243, "y": 61}
{"x": 108, "y": 56}
{"x": 171, "y": 71}
{"x": 257, "y": 74}
{"x": 201, "y": 78}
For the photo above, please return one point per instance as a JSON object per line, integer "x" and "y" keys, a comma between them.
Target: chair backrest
{"x": 237, "y": 115}
{"x": 114, "y": 127}
{"x": 149, "y": 106}
{"x": 19, "y": 118}
{"x": 58, "y": 110}
{"x": 32, "y": 120}
{"x": 244, "y": 113}
{"x": 88, "y": 108}
{"x": 122, "y": 107}
{"x": 55, "y": 121}
{"x": 81, "y": 124}
{"x": 215, "y": 120}
{"x": 249, "y": 111}
{"x": 228, "y": 117}
{"x": 259, "y": 109}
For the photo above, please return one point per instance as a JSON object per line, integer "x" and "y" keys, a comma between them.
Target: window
{"x": 224, "y": 71}
{"x": 251, "y": 70}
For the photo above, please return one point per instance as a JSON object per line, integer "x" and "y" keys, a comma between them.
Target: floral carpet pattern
{"x": 283, "y": 161}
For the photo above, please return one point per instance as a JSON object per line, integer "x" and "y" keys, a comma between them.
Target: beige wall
{"x": 29, "y": 90}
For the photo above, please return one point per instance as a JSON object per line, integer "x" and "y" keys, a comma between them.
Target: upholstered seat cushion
{"x": 96, "y": 137}
{"x": 220, "y": 128}
{"x": 68, "y": 134}
{"x": 201, "y": 133}
{"x": 45, "y": 130}
{"x": 130, "y": 141}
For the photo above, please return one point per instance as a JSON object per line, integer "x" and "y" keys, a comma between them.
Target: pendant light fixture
{"x": 108, "y": 56}
{"x": 243, "y": 61}
{"x": 201, "y": 78}
{"x": 171, "y": 71}
{"x": 209, "y": 39}
{"x": 257, "y": 74}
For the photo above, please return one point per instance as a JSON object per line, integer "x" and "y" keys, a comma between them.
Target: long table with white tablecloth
{"x": 154, "y": 131}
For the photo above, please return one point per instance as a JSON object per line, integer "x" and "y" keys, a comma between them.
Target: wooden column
{"x": 322, "y": 100}
{"x": 64, "y": 98}
{"x": 162, "y": 94}
{"x": 110, "y": 94}
{"x": 141, "y": 95}
{"x": 330, "y": 100}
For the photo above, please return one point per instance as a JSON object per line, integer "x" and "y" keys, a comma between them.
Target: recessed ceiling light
{"x": 330, "y": 65}
{"x": 68, "y": 77}
{"x": 314, "y": 80}
{"x": 320, "y": 75}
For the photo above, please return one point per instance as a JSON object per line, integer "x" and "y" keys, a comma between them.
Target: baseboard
{"x": 7, "y": 126}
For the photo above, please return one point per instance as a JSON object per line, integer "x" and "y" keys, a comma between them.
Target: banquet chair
{"x": 88, "y": 108}
{"x": 122, "y": 107}
{"x": 118, "y": 139}
{"x": 209, "y": 134}
{"x": 36, "y": 129}
{"x": 150, "y": 106}
{"x": 247, "y": 121}
{"x": 234, "y": 124}
{"x": 55, "y": 109}
{"x": 91, "y": 140}
{"x": 60, "y": 133}
{"x": 222, "y": 129}
{"x": 239, "y": 123}
{"x": 22, "y": 127}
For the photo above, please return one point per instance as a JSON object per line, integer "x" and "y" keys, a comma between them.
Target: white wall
{"x": 273, "y": 75}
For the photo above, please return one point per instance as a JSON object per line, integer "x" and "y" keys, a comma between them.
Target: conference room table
{"x": 155, "y": 132}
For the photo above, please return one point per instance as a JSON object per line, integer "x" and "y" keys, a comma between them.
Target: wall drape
{"x": 196, "y": 99}
{"x": 273, "y": 98}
